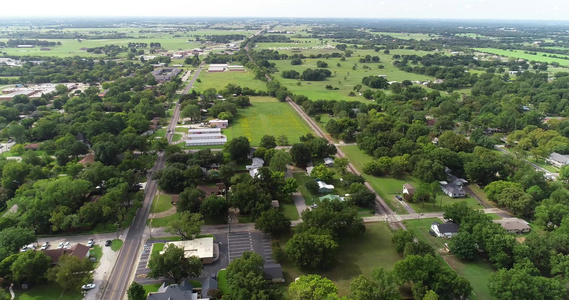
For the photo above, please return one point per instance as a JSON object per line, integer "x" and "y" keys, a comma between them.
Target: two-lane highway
{"x": 121, "y": 275}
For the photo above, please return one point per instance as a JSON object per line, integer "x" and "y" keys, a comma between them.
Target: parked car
{"x": 398, "y": 197}
{"x": 45, "y": 246}
{"x": 89, "y": 286}
{"x": 108, "y": 243}
{"x": 60, "y": 245}
{"x": 90, "y": 243}
{"x": 66, "y": 245}
{"x": 24, "y": 249}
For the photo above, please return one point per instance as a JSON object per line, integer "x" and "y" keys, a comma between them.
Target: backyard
{"x": 477, "y": 272}
{"x": 389, "y": 187}
{"x": 356, "y": 255}
{"x": 218, "y": 80}
{"x": 47, "y": 292}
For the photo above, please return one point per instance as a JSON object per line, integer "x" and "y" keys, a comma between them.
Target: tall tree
{"x": 381, "y": 286}
{"x": 312, "y": 287}
{"x": 173, "y": 265}
{"x": 30, "y": 267}
{"x": 71, "y": 272}
{"x": 187, "y": 225}
{"x": 136, "y": 291}
{"x": 273, "y": 222}
{"x": 245, "y": 279}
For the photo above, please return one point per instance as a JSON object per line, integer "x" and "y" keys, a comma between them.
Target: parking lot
{"x": 241, "y": 242}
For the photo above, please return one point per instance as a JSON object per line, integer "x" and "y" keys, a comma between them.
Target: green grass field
{"x": 344, "y": 77}
{"x": 116, "y": 245}
{"x": 222, "y": 281}
{"x": 290, "y": 211}
{"x": 162, "y": 222}
{"x": 49, "y": 291}
{"x": 267, "y": 116}
{"x": 356, "y": 255}
{"x": 219, "y": 80}
{"x": 520, "y": 54}
{"x": 388, "y": 187}
{"x": 476, "y": 272}
{"x": 161, "y": 203}
{"x": 97, "y": 252}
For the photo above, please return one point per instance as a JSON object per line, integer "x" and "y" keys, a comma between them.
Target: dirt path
{"x": 163, "y": 214}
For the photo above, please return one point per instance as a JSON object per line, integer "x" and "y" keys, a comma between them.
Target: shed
{"x": 329, "y": 162}
{"x": 273, "y": 272}
{"x": 408, "y": 190}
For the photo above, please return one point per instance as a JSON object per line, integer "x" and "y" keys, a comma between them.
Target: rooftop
{"x": 202, "y": 247}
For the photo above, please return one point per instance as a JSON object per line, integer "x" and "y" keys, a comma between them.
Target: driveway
{"x": 102, "y": 272}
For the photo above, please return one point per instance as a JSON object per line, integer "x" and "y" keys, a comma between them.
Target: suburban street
{"x": 123, "y": 272}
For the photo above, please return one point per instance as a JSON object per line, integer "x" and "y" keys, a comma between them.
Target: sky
{"x": 421, "y": 9}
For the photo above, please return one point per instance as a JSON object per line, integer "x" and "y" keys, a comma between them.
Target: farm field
{"x": 407, "y": 36}
{"x": 356, "y": 255}
{"x": 344, "y": 77}
{"x": 265, "y": 116}
{"x": 70, "y": 47}
{"x": 388, "y": 187}
{"x": 219, "y": 80}
{"x": 296, "y": 42}
{"x": 520, "y": 54}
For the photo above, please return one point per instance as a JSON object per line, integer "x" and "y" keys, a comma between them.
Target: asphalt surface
{"x": 241, "y": 242}
{"x": 123, "y": 271}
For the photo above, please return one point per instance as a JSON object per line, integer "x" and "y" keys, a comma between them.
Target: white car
{"x": 44, "y": 246}
{"x": 90, "y": 243}
{"x": 89, "y": 286}
{"x": 24, "y": 249}
{"x": 60, "y": 245}
{"x": 66, "y": 245}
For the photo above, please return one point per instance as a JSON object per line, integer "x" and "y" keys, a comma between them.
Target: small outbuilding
{"x": 514, "y": 225}
{"x": 273, "y": 272}
{"x": 329, "y": 162}
{"x": 324, "y": 188}
{"x": 408, "y": 191}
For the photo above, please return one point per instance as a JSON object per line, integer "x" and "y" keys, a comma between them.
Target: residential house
{"x": 207, "y": 285}
{"x": 446, "y": 230}
{"x": 452, "y": 189}
{"x": 32, "y": 146}
{"x": 309, "y": 170}
{"x": 78, "y": 250}
{"x": 257, "y": 163}
{"x": 408, "y": 191}
{"x": 89, "y": 159}
{"x": 182, "y": 291}
{"x": 329, "y": 162}
{"x": 324, "y": 188}
{"x": 514, "y": 225}
{"x": 558, "y": 160}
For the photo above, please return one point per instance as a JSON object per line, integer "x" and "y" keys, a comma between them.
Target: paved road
{"x": 501, "y": 148}
{"x": 123, "y": 271}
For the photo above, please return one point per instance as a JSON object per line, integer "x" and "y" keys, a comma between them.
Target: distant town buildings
{"x": 33, "y": 91}
{"x": 224, "y": 67}
{"x": 165, "y": 74}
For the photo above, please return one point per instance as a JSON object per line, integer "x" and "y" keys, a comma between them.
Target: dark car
{"x": 398, "y": 197}
{"x": 108, "y": 243}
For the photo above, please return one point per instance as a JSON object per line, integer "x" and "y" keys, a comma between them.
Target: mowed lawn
{"x": 356, "y": 255}
{"x": 477, "y": 272}
{"x": 267, "y": 116}
{"x": 218, "y": 80}
{"x": 389, "y": 187}
{"x": 50, "y": 291}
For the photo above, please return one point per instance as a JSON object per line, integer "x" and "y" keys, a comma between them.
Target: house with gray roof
{"x": 183, "y": 291}
{"x": 446, "y": 230}
{"x": 558, "y": 160}
{"x": 273, "y": 272}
